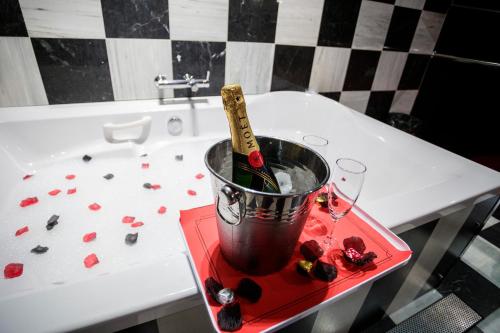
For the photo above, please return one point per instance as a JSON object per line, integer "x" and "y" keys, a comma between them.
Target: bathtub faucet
{"x": 188, "y": 81}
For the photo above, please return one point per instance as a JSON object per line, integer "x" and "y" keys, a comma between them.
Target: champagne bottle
{"x": 249, "y": 168}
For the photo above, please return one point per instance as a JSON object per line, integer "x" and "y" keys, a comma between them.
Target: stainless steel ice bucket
{"x": 258, "y": 231}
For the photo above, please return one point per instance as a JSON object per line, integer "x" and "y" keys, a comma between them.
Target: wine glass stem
{"x": 330, "y": 239}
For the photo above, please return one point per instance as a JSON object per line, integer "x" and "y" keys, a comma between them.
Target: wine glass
{"x": 343, "y": 191}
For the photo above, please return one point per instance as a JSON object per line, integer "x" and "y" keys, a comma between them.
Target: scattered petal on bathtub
{"x": 28, "y": 202}
{"x": 94, "y": 206}
{"x": 147, "y": 185}
{"x": 12, "y": 270}
{"x": 52, "y": 222}
{"x": 27, "y": 177}
{"x": 89, "y": 237}
{"x": 39, "y": 249}
{"x": 109, "y": 176}
{"x": 128, "y": 219}
{"x": 71, "y": 191}
{"x": 70, "y": 177}
{"x": 131, "y": 239}
{"x": 162, "y": 210}
{"x": 90, "y": 260}
{"x": 86, "y": 158}
{"x": 144, "y": 155}
{"x": 156, "y": 186}
{"x": 137, "y": 224}
{"x": 199, "y": 176}
{"x": 21, "y": 231}
{"x": 54, "y": 192}
{"x": 145, "y": 165}
{"x": 191, "y": 192}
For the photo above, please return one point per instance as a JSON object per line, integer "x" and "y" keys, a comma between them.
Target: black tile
{"x": 481, "y": 4}
{"x": 470, "y": 33}
{"x": 136, "y": 19}
{"x": 402, "y": 28}
{"x": 391, "y": 2}
{"x": 361, "y": 70}
{"x": 440, "y": 6}
{"x": 338, "y": 22}
{"x": 11, "y": 19}
{"x": 292, "y": 67}
{"x": 332, "y": 95}
{"x": 252, "y": 21}
{"x": 492, "y": 234}
{"x": 379, "y": 104}
{"x": 472, "y": 288}
{"x": 196, "y": 58}
{"x": 147, "y": 327}
{"x": 496, "y": 214}
{"x": 414, "y": 71}
{"x": 456, "y": 104}
{"x": 74, "y": 70}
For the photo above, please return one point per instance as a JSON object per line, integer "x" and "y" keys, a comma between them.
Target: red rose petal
{"x": 21, "y": 231}
{"x": 191, "y": 192}
{"x": 71, "y": 190}
{"x": 162, "y": 210}
{"x": 89, "y": 237}
{"x": 28, "y": 202}
{"x": 69, "y": 177}
{"x": 136, "y": 224}
{"x": 90, "y": 260}
{"x": 27, "y": 177}
{"x": 199, "y": 176}
{"x": 54, "y": 192}
{"x": 156, "y": 186}
{"x": 145, "y": 165}
{"x": 94, "y": 206}
{"x": 13, "y": 270}
{"x": 128, "y": 219}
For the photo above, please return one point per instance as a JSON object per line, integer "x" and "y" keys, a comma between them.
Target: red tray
{"x": 286, "y": 295}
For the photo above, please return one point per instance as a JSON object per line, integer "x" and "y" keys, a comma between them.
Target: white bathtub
{"x": 409, "y": 182}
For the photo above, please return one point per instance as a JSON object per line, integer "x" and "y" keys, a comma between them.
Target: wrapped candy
{"x": 324, "y": 271}
{"x": 322, "y": 200}
{"x": 354, "y": 251}
{"x": 304, "y": 267}
{"x": 249, "y": 289}
{"x": 311, "y": 250}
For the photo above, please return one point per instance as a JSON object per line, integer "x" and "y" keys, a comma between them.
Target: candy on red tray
{"x": 70, "y": 177}
{"x": 137, "y": 224}
{"x": 304, "y": 267}
{"x": 199, "y": 176}
{"x": 162, "y": 210}
{"x": 249, "y": 289}
{"x": 39, "y": 249}
{"x": 324, "y": 271}
{"x": 311, "y": 250}
{"x": 89, "y": 237}
{"x": 54, "y": 192}
{"x": 71, "y": 191}
{"x": 145, "y": 165}
{"x": 229, "y": 317}
{"x": 131, "y": 239}
{"x": 28, "y": 202}
{"x": 356, "y": 243}
{"x": 22, "y": 230}
{"x": 156, "y": 186}
{"x": 191, "y": 192}
{"x": 322, "y": 200}
{"x": 128, "y": 219}
{"x": 94, "y": 206}
{"x": 213, "y": 287}
{"x": 90, "y": 260}
{"x": 354, "y": 251}
{"x": 27, "y": 177}
{"x": 12, "y": 270}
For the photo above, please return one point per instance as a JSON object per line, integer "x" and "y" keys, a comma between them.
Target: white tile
{"x": 415, "y": 306}
{"x": 403, "y": 101}
{"x": 198, "y": 20}
{"x": 134, "y": 63}
{"x": 427, "y": 33}
{"x": 63, "y": 18}
{"x": 298, "y": 23}
{"x": 356, "y": 100}
{"x": 372, "y": 26}
{"x": 490, "y": 222}
{"x": 416, "y": 4}
{"x": 491, "y": 324}
{"x": 329, "y": 69}
{"x": 20, "y": 80}
{"x": 389, "y": 70}
{"x": 484, "y": 257}
{"x": 251, "y": 65}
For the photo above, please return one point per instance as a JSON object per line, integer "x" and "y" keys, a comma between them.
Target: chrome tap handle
{"x": 188, "y": 81}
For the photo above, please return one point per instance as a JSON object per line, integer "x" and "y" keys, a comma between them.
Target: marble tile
{"x": 491, "y": 323}
{"x": 292, "y": 67}
{"x": 402, "y": 28}
{"x": 199, "y": 20}
{"x": 329, "y": 68}
{"x": 251, "y": 65}
{"x": 20, "y": 80}
{"x": 134, "y": 63}
{"x": 252, "y": 21}
{"x": 403, "y": 101}
{"x": 361, "y": 70}
{"x": 136, "y": 18}
{"x": 492, "y": 233}
{"x": 63, "y": 18}
{"x": 389, "y": 70}
{"x": 11, "y": 19}
{"x": 298, "y": 24}
{"x": 484, "y": 258}
{"x": 427, "y": 33}
{"x": 74, "y": 70}
{"x": 415, "y": 67}
{"x": 416, "y": 4}
{"x": 338, "y": 23}
{"x": 372, "y": 26}
{"x": 196, "y": 58}
{"x": 379, "y": 104}
{"x": 356, "y": 100}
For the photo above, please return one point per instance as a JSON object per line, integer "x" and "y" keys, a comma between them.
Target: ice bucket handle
{"x": 231, "y": 197}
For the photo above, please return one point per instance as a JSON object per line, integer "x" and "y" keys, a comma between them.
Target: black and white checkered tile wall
{"x": 370, "y": 55}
